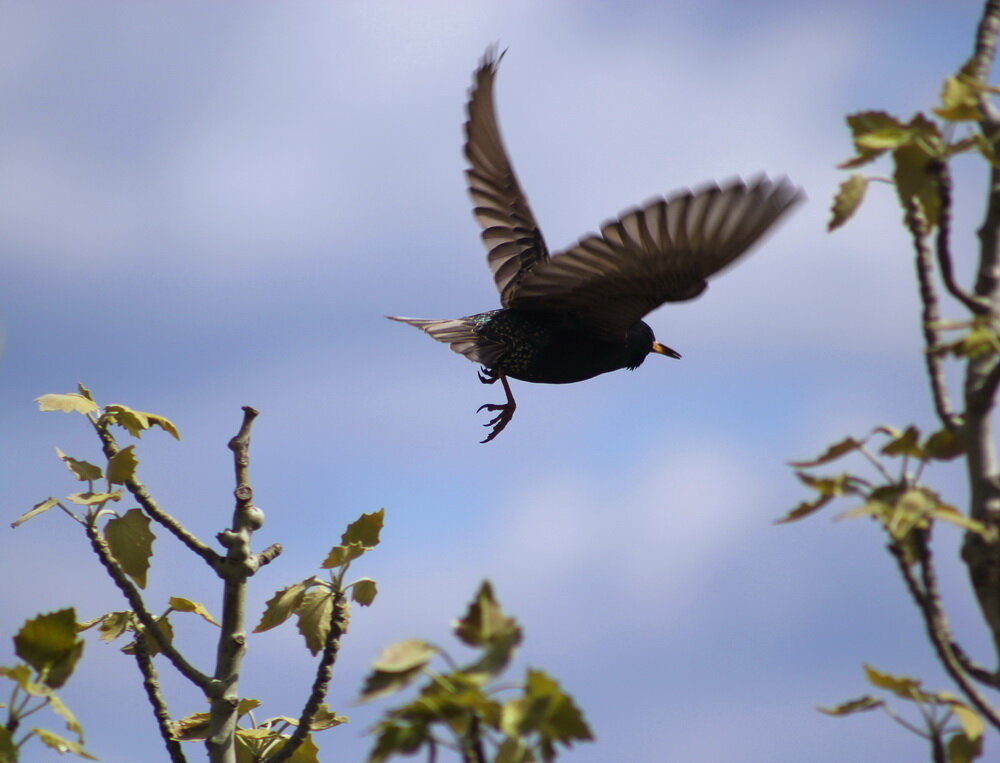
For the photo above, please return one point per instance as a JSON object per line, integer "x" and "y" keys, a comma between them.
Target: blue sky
{"x": 204, "y": 206}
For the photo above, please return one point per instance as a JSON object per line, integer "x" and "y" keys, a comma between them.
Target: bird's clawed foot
{"x": 505, "y": 410}
{"x": 499, "y": 421}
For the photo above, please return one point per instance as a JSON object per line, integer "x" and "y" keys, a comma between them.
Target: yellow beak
{"x": 662, "y": 349}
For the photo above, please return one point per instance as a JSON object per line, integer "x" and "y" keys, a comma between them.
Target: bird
{"x": 569, "y": 316}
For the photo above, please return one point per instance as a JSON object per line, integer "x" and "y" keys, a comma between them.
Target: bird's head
{"x": 641, "y": 342}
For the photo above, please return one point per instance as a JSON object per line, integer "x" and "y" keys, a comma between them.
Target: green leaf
{"x": 364, "y": 530}
{"x": 397, "y": 739}
{"x": 913, "y": 175}
{"x": 61, "y": 745}
{"x": 484, "y": 621}
{"x": 547, "y": 710}
{"x": 363, "y": 591}
{"x": 859, "y": 705}
{"x": 186, "y": 605}
{"x": 113, "y": 625}
{"x": 21, "y": 675}
{"x": 85, "y": 392}
{"x": 878, "y": 131}
{"x": 132, "y": 421}
{"x": 245, "y": 705}
{"x": 980, "y": 342}
{"x": 151, "y": 644}
{"x": 397, "y": 667}
{"x": 307, "y": 752}
{"x": 35, "y": 510}
{"x": 962, "y": 749}
{"x": 192, "y": 728}
{"x": 804, "y": 509}
{"x": 905, "y": 444}
{"x": 283, "y": 604}
{"x": 121, "y": 466}
{"x": 59, "y": 708}
{"x": 959, "y": 100}
{"x": 341, "y": 555}
{"x": 835, "y": 451}
{"x": 131, "y": 543}
{"x": 943, "y": 445}
{"x": 834, "y": 487}
{"x": 67, "y": 403}
{"x": 82, "y": 470}
{"x": 8, "y": 750}
{"x": 970, "y": 721}
{"x": 92, "y": 499}
{"x": 48, "y": 643}
{"x": 314, "y": 617}
{"x": 155, "y": 420}
{"x": 903, "y": 687}
{"x": 848, "y": 199}
{"x": 136, "y": 422}
{"x": 950, "y": 514}
{"x": 323, "y": 719}
{"x": 404, "y": 656}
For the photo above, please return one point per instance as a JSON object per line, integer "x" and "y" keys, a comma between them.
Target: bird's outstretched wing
{"x": 511, "y": 235}
{"x": 661, "y": 252}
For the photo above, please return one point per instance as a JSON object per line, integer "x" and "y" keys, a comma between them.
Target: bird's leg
{"x": 506, "y": 410}
{"x": 488, "y": 376}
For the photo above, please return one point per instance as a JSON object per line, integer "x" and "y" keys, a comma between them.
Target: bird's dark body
{"x": 557, "y": 348}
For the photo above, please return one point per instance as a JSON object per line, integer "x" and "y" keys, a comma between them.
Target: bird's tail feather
{"x": 460, "y": 335}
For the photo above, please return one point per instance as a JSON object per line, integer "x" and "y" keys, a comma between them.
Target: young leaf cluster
{"x": 953, "y": 728}
{"x": 313, "y": 600}
{"x": 917, "y": 146}
{"x": 128, "y": 535}
{"x": 258, "y": 740}
{"x": 462, "y": 707}
{"x": 896, "y": 500}
{"x": 50, "y": 649}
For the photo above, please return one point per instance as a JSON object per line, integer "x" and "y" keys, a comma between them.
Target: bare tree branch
{"x": 982, "y": 555}
{"x": 916, "y": 223}
{"x": 936, "y": 623}
{"x": 324, "y": 672}
{"x": 981, "y": 63}
{"x": 145, "y": 500}
{"x": 943, "y": 246}
{"x": 135, "y": 601}
{"x": 238, "y": 565}
{"x": 151, "y": 683}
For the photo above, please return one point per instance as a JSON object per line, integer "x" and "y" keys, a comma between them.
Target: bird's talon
{"x": 501, "y": 420}
{"x": 486, "y": 376}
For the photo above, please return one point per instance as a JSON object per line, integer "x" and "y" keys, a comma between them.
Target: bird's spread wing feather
{"x": 661, "y": 252}
{"x": 460, "y": 335}
{"x": 511, "y": 235}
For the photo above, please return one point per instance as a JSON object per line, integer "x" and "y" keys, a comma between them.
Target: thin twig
{"x": 916, "y": 223}
{"x": 268, "y": 555}
{"x": 943, "y": 248}
{"x": 324, "y": 672}
{"x": 975, "y": 670}
{"x": 151, "y": 683}
{"x": 135, "y": 601}
{"x": 145, "y": 500}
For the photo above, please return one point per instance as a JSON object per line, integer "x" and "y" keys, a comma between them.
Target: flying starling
{"x": 570, "y": 316}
